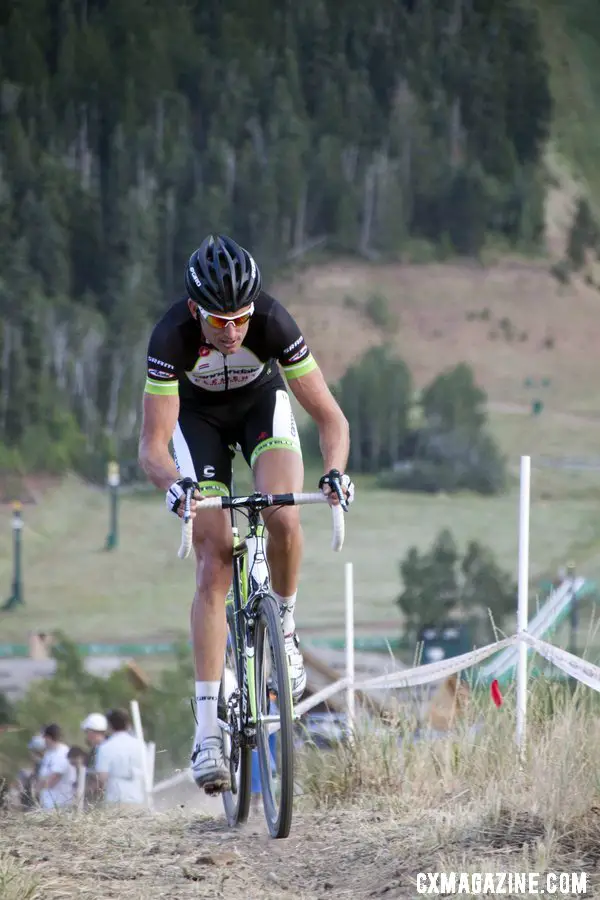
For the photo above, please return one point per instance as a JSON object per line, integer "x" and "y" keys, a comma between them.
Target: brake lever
{"x": 337, "y": 487}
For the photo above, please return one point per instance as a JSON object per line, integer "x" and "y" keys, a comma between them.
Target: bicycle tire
{"x": 278, "y": 815}
{"x": 237, "y": 802}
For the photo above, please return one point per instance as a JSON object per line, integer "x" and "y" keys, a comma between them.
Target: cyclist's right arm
{"x": 160, "y": 408}
{"x": 160, "y": 413}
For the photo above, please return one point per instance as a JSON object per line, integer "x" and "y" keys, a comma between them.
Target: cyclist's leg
{"x": 272, "y": 448}
{"x": 201, "y": 452}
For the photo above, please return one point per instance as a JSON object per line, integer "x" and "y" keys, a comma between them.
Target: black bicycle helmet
{"x": 221, "y": 276}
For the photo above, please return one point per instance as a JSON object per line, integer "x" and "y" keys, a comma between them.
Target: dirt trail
{"x": 180, "y": 854}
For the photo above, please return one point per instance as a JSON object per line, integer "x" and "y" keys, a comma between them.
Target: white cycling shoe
{"x": 209, "y": 766}
{"x": 295, "y": 665}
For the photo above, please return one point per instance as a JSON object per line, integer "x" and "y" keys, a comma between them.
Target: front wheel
{"x": 274, "y": 729}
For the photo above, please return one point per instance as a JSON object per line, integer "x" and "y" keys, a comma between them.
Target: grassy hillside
{"x": 511, "y": 321}
{"x": 142, "y": 591}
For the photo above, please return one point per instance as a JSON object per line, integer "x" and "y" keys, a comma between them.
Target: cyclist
{"x": 213, "y": 384}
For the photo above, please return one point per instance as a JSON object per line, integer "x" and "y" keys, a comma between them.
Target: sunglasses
{"x": 223, "y": 321}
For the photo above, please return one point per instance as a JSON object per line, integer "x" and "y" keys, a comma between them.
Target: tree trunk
{"x": 6, "y": 351}
{"x": 368, "y": 209}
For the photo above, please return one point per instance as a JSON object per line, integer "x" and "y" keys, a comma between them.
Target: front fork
{"x": 258, "y": 575}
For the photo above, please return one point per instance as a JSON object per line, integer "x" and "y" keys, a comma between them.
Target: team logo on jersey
{"x": 160, "y": 362}
{"x": 214, "y": 372}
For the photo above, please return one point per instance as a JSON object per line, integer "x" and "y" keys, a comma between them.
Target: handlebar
{"x": 258, "y": 502}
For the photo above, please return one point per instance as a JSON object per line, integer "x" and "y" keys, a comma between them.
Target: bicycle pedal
{"x": 213, "y": 790}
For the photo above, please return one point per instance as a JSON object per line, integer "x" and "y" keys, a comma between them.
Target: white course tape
{"x": 324, "y": 694}
{"x": 433, "y": 671}
{"x": 173, "y": 781}
{"x": 578, "y": 668}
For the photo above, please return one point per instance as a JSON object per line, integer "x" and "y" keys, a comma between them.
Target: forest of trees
{"x": 130, "y": 128}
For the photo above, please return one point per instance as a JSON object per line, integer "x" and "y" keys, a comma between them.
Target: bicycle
{"x": 256, "y": 657}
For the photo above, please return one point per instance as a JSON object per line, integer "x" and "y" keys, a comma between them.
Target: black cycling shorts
{"x": 206, "y": 438}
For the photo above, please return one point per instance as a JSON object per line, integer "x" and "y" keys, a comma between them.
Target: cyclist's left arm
{"x": 286, "y": 343}
{"x": 313, "y": 395}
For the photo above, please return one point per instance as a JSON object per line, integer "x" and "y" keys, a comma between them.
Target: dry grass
{"x": 431, "y": 303}
{"x": 371, "y": 818}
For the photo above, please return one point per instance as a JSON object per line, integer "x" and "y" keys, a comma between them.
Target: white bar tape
{"x": 186, "y": 540}
{"x": 339, "y": 524}
{"x": 339, "y": 528}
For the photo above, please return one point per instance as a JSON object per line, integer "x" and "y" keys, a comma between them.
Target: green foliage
{"x": 453, "y": 400}
{"x": 582, "y": 236}
{"x": 375, "y": 395}
{"x": 430, "y": 583}
{"x": 452, "y": 450}
{"x": 439, "y": 583}
{"x": 377, "y": 310}
{"x": 55, "y": 445}
{"x": 410, "y": 132}
{"x": 464, "y": 458}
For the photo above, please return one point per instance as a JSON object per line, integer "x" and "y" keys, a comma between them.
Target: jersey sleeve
{"x": 287, "y": 344}
{"x": 162, "y": 373}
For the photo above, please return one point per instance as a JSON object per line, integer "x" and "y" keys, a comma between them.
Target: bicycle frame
{"x": 250, "y": 569}
{"x": 251, "y": 572}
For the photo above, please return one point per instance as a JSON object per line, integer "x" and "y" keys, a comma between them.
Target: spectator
{"x": 95, "y": 728}
{"x": 119, "y": 763}
{"x": 56, "y": 775}
{"x": 78, "y": 759}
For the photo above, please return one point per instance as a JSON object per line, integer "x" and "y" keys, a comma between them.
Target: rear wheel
{"x": 237, "y": 800}
{"x": 275, "y": 738}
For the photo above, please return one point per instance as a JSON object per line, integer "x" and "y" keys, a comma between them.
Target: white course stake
{"x": 349, "y": 603}
{"x": 523, "y": 598}
{"x": 137, "y": 727}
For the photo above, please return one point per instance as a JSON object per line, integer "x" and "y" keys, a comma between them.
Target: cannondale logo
{"x": 195, "y": 277}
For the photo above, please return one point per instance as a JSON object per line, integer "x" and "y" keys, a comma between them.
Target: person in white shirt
{"x": 56, "y": 776}
{"x": 119, "y": 762}
{"x": 95, "y": 728}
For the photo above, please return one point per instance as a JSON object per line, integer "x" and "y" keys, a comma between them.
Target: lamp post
{"x": 16, "y": 598}
{"x": 113, "y": 479}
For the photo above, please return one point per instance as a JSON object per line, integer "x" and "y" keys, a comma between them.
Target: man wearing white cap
{"x": 95, "y": 727}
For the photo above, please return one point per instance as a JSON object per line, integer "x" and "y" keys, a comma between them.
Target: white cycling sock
{"x": 286, "y": 608}
{"x": 207, "y": 696}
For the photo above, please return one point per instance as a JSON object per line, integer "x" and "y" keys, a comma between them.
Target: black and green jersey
{"x": 180, "y": 361}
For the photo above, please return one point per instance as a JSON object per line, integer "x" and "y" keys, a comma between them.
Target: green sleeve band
{"x": 168, "y": 388}
{"x": 302, "y": 368}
